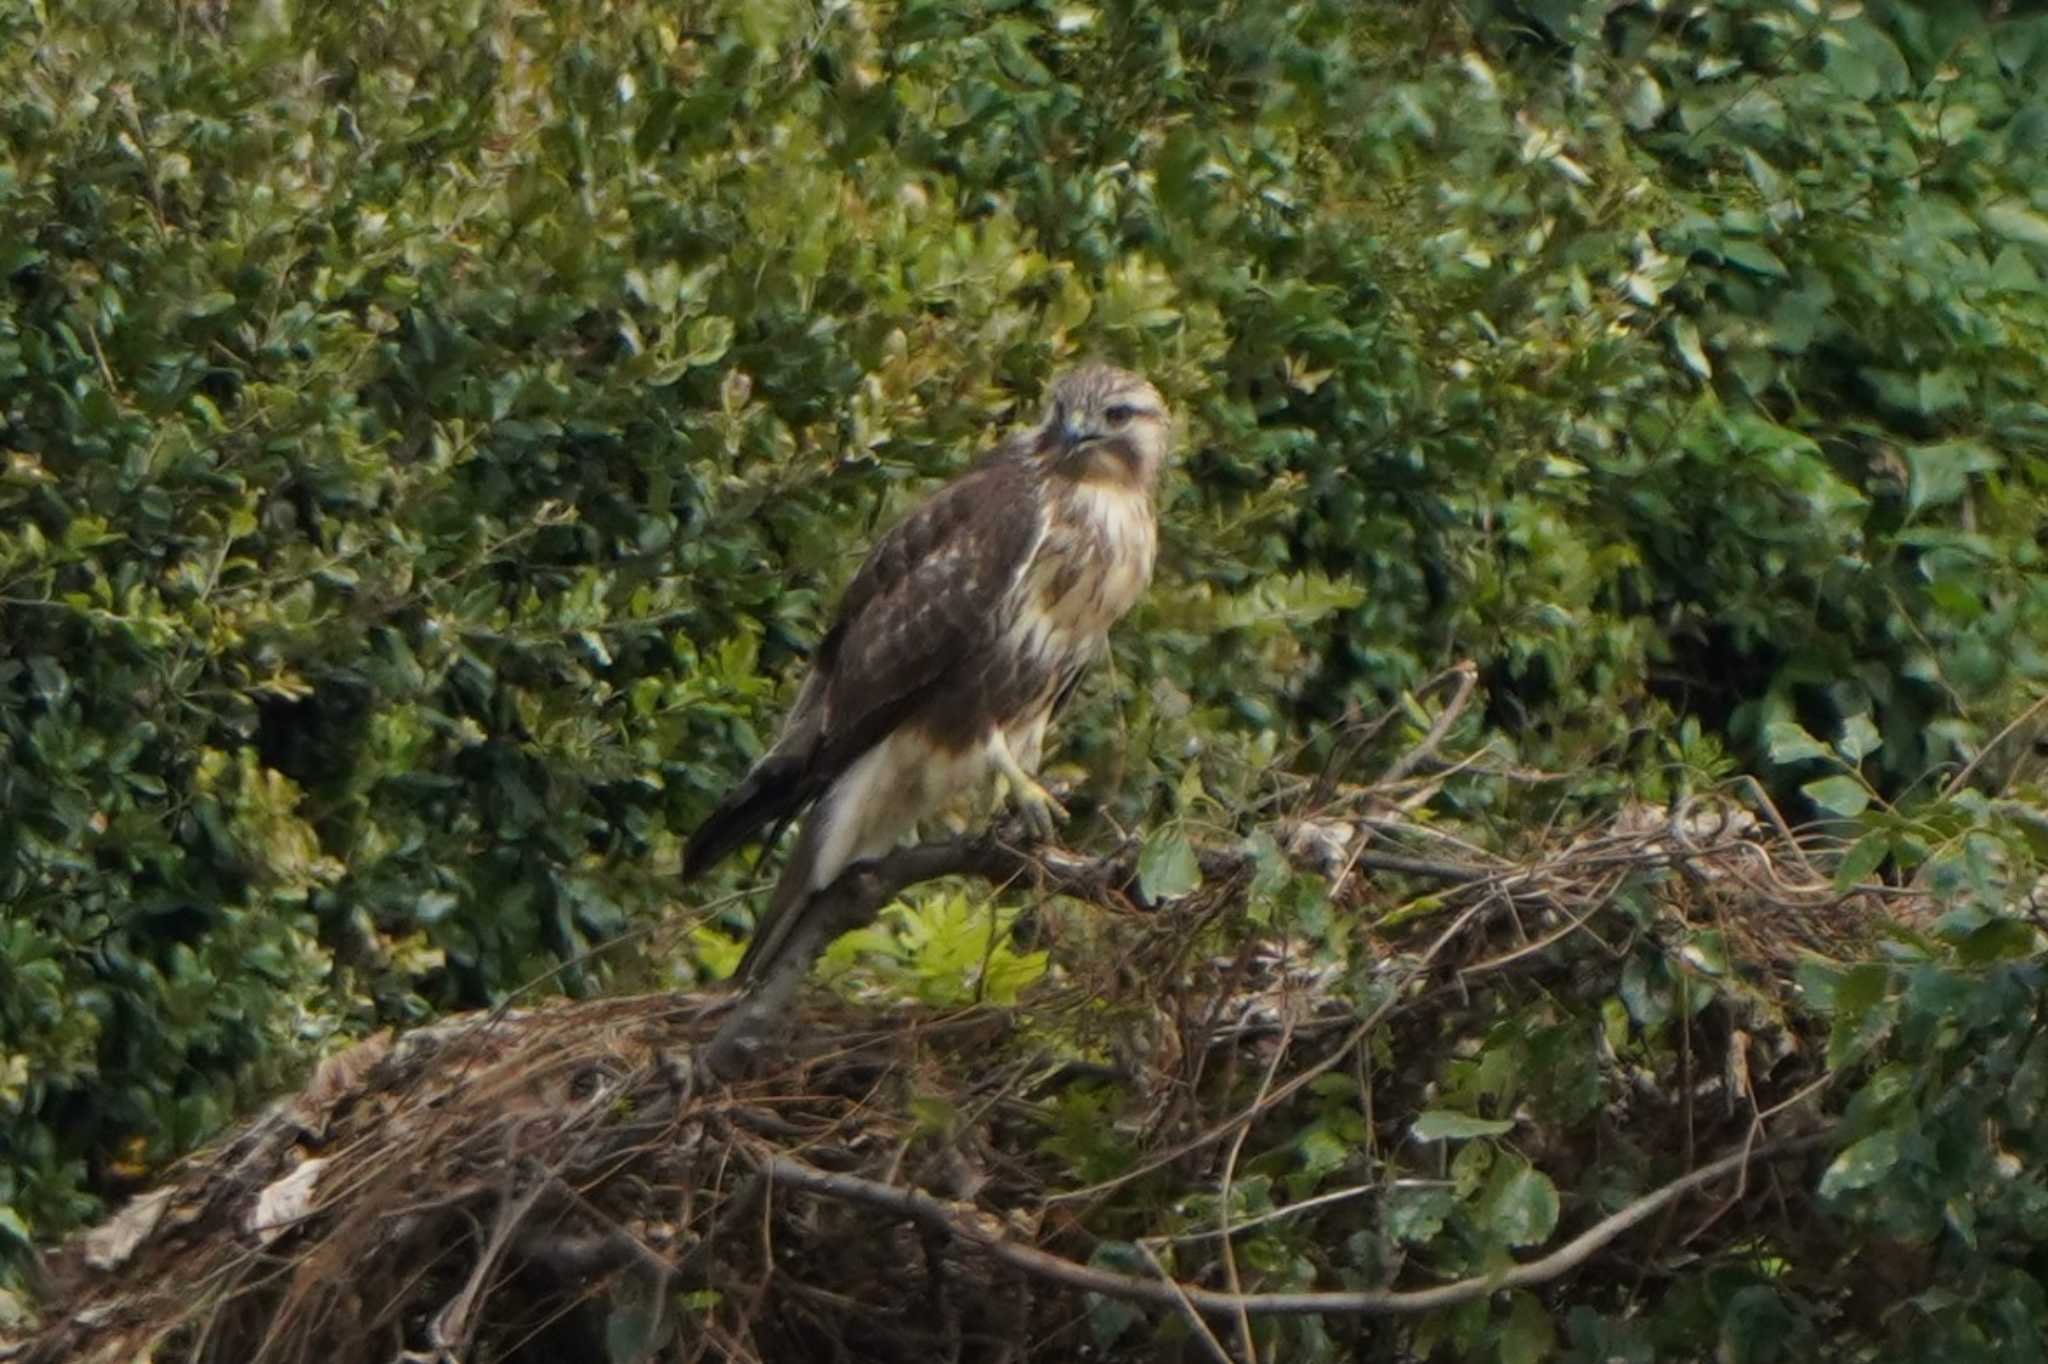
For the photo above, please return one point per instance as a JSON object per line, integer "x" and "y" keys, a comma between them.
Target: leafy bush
{"x": 432, "y": 433}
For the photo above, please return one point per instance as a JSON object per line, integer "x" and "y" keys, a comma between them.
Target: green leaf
{"x": 1865, "y": 855}
{"x": 1415, "y": 1213}
{"x": 709, "y": 339}
{"x": 209, "y": 303}
{"x": 1790, "y": 743}
{"x": 1864, "y": 62}
{"x": 1528, "y": 1336}
{"x": 1852, "y": 72}
{"x": 1521, "y": 1205}
{"x": 1862, "y": 1163}
{"x": 2003, "y": 939}
{"x": 1644, "y": 104}
{"x": 1754, "y": 257}
{"x": 1939, "y": 473}
{"x": 2013, "y": 272}
{"x": 631, "y": 1334}
{"x": 1685, "y": 337}
{"x": 1706, "y": 950}
{"x": 1844, "y": 796}
{"x": 1438, "y": 1123}
{"x": 1109, "y": 1318}
{"x": 1648, "y": 1000}
{"x": 1322, "y": 1150}
{"x": 1167, "y": 868}
{"x": 1819, "y": 981}
{"x": 1756, "y": 1327}
{"x": 1859, "y": 738}
{"x": 1862, "y": 1015}
{"x": 2014, "y": 220}
{"x": 1469, "y": 1167}
{"x": 1270, "y": 868}
{"x": 432, "y": 906}
{"x": 1860, "y": 987}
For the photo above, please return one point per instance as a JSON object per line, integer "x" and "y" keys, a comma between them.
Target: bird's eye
{"x": 1119, "y": 413}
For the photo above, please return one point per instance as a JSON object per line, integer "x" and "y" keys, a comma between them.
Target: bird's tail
{"x": 771, "y": 792}
{"x": 792, "y": 889}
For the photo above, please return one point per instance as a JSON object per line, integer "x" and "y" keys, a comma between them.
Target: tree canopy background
{"x": 431, "y": 433}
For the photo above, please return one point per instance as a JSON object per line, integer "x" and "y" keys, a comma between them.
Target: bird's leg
{"x": 1037, "y": 805}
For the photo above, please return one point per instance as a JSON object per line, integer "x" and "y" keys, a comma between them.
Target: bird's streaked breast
{"x": 1093, "y": 562}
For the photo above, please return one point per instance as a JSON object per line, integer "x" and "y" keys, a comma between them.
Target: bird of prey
{"x": 967, "y": 625}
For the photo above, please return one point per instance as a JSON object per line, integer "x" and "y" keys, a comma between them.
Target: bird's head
{"x": 1104, "y": 424}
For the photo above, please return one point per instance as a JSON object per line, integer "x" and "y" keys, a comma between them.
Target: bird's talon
{"x": 1040, "y": 809}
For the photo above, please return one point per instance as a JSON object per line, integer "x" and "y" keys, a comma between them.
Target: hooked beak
{"x": 1063, "y": 436}
{"x": 1072, "y": 436}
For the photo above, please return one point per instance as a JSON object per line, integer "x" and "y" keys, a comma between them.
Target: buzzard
{"x": 964, "y": 630}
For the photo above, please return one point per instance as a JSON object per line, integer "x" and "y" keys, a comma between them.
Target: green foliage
{"x": 945, "y": 948}
{"x": 431, "y": 434}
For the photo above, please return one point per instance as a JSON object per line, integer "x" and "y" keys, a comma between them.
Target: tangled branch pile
{"x": 1229, "y": 1133}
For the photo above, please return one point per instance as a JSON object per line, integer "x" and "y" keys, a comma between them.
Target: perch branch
{"x": 976, "y": 1227}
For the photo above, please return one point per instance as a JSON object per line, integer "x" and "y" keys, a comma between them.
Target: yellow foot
{"x": 1041, "y": 810}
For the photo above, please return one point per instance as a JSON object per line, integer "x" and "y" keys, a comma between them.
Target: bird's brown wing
{"x": 927, "y": 598}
